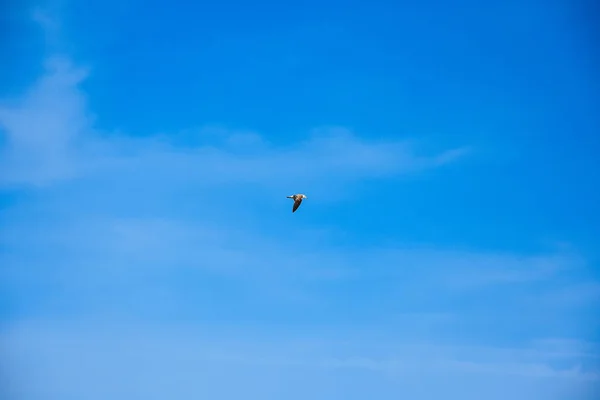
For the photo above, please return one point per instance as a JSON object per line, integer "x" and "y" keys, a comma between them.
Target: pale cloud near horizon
{"x": 158, "y": 362}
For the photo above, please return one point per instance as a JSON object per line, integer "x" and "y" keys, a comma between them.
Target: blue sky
{"x": 448, "y": 248}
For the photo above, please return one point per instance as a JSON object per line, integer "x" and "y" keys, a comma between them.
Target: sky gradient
{"x": 448, "y": 247}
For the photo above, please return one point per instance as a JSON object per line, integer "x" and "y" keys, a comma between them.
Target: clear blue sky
{"x": 448, "y": 248}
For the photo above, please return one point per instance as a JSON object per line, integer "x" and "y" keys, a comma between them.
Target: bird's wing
{"x": 297, "y": 204}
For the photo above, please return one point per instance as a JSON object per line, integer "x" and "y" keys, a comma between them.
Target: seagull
{"x": 297, "y": 200}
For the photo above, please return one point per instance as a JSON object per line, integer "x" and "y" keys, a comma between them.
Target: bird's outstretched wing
{"x": 297, "y": 204}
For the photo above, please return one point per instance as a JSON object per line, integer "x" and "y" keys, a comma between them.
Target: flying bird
{"x": 297, "y": 200}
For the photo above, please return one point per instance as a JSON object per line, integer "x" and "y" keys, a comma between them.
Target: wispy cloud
{"x": 161, "y": 242}
{"x": 44, "y": 127}
{"x": 51, "y": 137}
{"x": 81, "y": 259}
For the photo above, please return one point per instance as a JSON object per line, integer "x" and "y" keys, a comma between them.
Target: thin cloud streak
{"x": 80, "y": 261}
{"x": 161, "y": 242}
{"x": 51, "y": 138}
{"x": 50, "y": 352}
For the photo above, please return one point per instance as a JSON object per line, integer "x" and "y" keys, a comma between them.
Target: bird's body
{"x": 297, "y": 200}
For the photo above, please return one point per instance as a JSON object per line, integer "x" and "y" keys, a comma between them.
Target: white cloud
{"x": 43, "y": 128}
{"x": 51, "y": 137}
